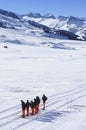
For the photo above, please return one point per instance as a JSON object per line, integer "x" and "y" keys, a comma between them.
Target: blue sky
{"x": 55, "y": 7}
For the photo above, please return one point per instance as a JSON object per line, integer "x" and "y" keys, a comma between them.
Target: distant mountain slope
{"x": 72, "y": 24}
{"x": 44, "y": 26}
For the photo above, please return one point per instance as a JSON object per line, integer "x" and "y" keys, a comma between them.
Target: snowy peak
{"x": 71, "y": 18}
{"x": 74, "y": 20}
{"x": 38, "y": 15}
{"x": 8, "y": 14}
{"x": 49, "y": 16}
{"x": 62, "y": 18}
{"x": 33, "y": 15}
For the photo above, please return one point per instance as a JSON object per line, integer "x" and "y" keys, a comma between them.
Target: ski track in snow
{"x": 49, "y": 115}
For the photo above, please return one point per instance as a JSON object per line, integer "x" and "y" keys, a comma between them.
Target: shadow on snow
{"x": 49, "y": 116}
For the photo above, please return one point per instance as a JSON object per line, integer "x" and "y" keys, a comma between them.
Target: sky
{"x": 55, "y": 7}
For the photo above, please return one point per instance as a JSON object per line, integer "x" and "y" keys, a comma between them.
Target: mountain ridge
{"x": 70, "y": 27}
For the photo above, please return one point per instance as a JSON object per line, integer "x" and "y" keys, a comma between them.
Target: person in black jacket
{"x": 32, "y": 105}
{"x": 38, "y": 103}
{"x": 27, "y": 108}
{"x": 35, "y": 105}
{"x": 44, "y": 98}
{"x": 23, "y": 108}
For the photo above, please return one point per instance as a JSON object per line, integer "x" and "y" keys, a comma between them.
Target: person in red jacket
{"x": 23, "y": 108}
{"x": 44, "y": 98}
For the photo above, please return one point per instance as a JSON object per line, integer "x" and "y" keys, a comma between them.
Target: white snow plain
{"x": 27, "y": 71}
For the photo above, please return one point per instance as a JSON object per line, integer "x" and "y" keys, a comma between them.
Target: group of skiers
{"x": 33, "y": 105}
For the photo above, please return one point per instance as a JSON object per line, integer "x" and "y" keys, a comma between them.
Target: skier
{"x": 44, "y": 98}
{"x": 32, "y": 105}
{"x": 23, "y": 108}
{"x": 27, "y": 108}
{"x": 38, "y": 102}
{"x": 35, "y": 105}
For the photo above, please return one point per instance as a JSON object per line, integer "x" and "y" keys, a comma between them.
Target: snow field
{"x": 27, "y": 71}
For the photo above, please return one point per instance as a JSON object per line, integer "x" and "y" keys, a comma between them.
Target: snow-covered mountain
{"x": 72, "y": 24}
{"x": 37, "y": 25}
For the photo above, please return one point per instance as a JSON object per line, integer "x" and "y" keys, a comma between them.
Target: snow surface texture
{"x": 28, "y": 71}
